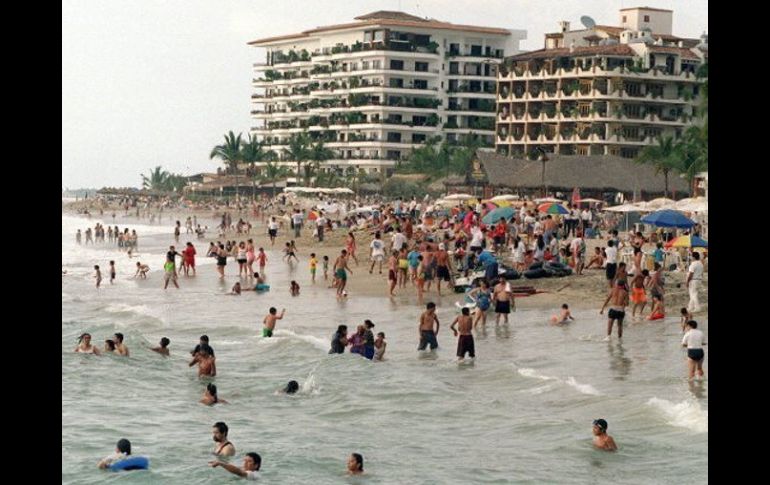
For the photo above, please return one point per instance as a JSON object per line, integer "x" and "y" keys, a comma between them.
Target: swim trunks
{"x": 656, "y": 316}
{"x": 503, "y": 306}
{"x": 695, "y": 354}
{"x": 442, "y": 273}
{"x": 616, "y": 315}
{"x": 427, "y": 337}
{"x": 341, "y": 274}
{"x": 610, "y": 271}
{"x": 391, "y": 275}
{"x": 266, "y": 332}
{"x": 465, "y": 344}
{"x": 638, "y": 295}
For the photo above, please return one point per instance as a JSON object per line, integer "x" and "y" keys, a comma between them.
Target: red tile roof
{"x": 681, "y": 51}
{"x": 607, "y": 50}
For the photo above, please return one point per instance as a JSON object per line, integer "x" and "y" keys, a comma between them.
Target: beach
{"x": 521, "y": 413}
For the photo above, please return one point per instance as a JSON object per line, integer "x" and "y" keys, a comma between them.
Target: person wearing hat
{"x": 369, "y": 340}
{"x": 601, "y": 439}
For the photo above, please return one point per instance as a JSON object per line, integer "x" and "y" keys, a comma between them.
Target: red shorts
{"x": 391, "y": 275}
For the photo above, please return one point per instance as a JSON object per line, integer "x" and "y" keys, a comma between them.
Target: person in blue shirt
{"x": 659, "y": 254}
{"x": 489, "y": 262}
{"x": 412, "y": 257}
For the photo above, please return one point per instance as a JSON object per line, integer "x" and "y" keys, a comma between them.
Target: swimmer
{"x": 236, "y": 288}
{"x": 294, "y": 288}
{"x": 564, "y": 317}
{"x": 109, "y": 346}
{"x": 602, "y": 440}
{"x": 207, "y": 366}
{"x": 425, "y": 328}
{"x": 269, "y": 321}
{"x": 313, "y": 266}
{"x": 224, "y": 447}
{"x": 120, "y": 347}
{"x": 163, "y": 349}
{"x": 291, "y": 388}
{"x": 122, "y": 451}
{"x": 98, "y": 276}
{"x": 112, "y": 272}
{"x": 355, "y": 464}
{"x": 658, "y": 311}
{"x": 251, "y": 464}
{"x": 210, "y": 396}
{"x": 379, "y": 346}
{"x": 84, "y": 345}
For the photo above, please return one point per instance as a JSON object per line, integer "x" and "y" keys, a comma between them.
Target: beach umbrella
{"x": 661, "y": 203}
{"x": 552, "y": 208}
{"x": 312, "y": 216}
{"x": 591, "y": 201}
{"x": 668, "y": 218}
{"x": 495, "y": 215}
{"x": 623, "y": 208}
{"x": 687, "y": 242}
{"x": 456, "y": 197}
{"x": 504, "y": 197}
{"x": 548, "y": 199}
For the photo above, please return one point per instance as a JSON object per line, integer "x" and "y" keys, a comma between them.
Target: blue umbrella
{"x": 494, "y": 215}
{"x": 668, "y": 218}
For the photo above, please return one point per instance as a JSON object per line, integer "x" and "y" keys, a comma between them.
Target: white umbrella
{"x": 548, "y": 199}
{"x": 342, "y": 190}
{"x": 623, "y": 208}
{"x": 694, "y": 206}
{"x": 591, "y": 201}
{"x": 504, "y": 197}
{"x": 459, "y": 197}
{"x": 661, "y": 203}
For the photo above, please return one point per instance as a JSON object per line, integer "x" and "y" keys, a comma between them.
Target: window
{"x": 393, "y": 155}
{"x": 624, "y": 19}
{"x": 368, "y": 34}
{"x": 420, "y": 84}
{"x": 418, "y": 138}
{"x": 379, "y": 35}
{"x": 454, "y": 49}
{"x": 646, "y": 18}
{"x": 365, "y": 65}
{"x": 454, "y": 68}
{"x": 421, "y": 66}
{"x": 397, "y": 65}
{"x": 396, "y": 83}
{"x": 376, "y": 65}
{"x": 394, "y": 137}
{"x": 475, "y": 50}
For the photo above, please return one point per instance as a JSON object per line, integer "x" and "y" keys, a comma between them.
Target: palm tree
{"x": 318, "y": 153}
{"x": 693, "y": 151}
{"x": 665, "y": 157}
{"x": 298, "y": 150}
{"x": 273, "y": 171}
{"x": 252, "y": 152}
{"x": 230, "y": 153}
{"x": 157, "y": 180}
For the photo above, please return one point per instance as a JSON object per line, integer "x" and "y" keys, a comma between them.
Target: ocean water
{"x": 521, "y": 414}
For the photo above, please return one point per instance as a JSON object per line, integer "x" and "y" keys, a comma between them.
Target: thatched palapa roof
{"x": 597, "y": 172}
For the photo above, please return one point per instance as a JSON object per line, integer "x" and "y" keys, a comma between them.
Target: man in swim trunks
{"x": 163, "y": 349}
{"x": 120, "y": 347}
{"x": 638, "y": 294}
{"x": 223, "y": 446}
{"x": 392, "y": 271}
{"x": 619, "y": 297}
{"x": 503, "y": 298}
{"x": 425, "y": 329}
{"x": 465, "y": 339}
{"x": 442, "y": 267}
{"x": 340, "y": 266}
{"x": 269, "y": 321}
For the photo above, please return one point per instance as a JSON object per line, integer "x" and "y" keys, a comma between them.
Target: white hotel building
{"x": 600, "y": 89}
{"x": 378, "y": 87}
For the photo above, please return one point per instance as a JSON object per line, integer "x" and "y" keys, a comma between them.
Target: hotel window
{"x": 379, "y": 35}
{"x": 368, "y": 34}
{"x": 364, "y": 65}
{"x": 624, "y": 19}
{"x": 421, "y": 66}
{"x": 376, "y": 64}
{"x": 646, "y": 18}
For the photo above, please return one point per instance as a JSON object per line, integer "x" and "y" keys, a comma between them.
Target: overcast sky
{"x": 159, "y": 82}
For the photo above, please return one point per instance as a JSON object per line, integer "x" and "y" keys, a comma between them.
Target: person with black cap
{"x": 122, "y": 451}
{"x": 601, "y": 439}
{"x": 369, "y": 340}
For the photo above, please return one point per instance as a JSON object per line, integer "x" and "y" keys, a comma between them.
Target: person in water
{"x": 122, "y": 451}
{"x": 602, "y": 440}
{"x": 291, "y": 388}
{"x": 379, "y": 346}
{"x": 206, "y": 361}
{"x": 210, "y": 396}
{"x": 223, "y": 446}
{"x": 339, "y": 340}
{"x": 109, "y": 346}
{"x": 355, "y": 464}
{"x": 163, "y": 349}
{"x": 269, "y": 321}
{"x": 465, "y": 344}
{"x": 564, "y": 317}
{"x": 84, "y": 345}
{"x": 252, "y": 462}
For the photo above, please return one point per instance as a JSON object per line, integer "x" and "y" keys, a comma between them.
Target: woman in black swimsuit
{"x": 221, "y": 260}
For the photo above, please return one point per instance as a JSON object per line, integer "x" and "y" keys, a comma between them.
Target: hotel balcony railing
{"x": 453, "y": 53}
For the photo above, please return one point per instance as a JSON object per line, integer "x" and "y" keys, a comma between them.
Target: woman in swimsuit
{"x": 210, "y": 396}
{"x": 241, "y": 258}
{"x": 250, "y": 256}
{"x": 350, "y": 245}
{"x": 84, "y": 345}
{"x": 403, "y": 266}
{"x": 483, "y": 298}
{"x": 221, "y": 260}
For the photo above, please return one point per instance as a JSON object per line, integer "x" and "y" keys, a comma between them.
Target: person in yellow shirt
{"x": 313, "y": 266}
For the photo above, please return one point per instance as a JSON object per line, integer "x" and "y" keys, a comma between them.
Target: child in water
{"x": 294, "y": 288}
{"x": 564, "y": 317}
{"x": 326, "y": 268}
{"x": 98, "y": 276}
{"x": 658, "y": 312}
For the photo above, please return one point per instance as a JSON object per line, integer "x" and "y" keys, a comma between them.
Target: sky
{"x": 160, "y": 82}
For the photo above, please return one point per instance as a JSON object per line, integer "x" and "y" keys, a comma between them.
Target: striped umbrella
{"x": 687, "y": 242}
{"x": 552, "y": 208}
